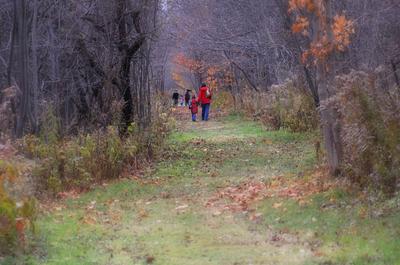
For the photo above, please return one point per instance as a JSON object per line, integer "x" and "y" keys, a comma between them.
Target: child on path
{"x": 194, "y": 108}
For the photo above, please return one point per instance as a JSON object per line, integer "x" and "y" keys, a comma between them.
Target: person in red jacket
{"x": 204, "y": 99}
{"x": 194, "y": 108}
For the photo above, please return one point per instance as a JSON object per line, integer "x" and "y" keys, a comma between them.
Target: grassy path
{"x": 163, "y": 220}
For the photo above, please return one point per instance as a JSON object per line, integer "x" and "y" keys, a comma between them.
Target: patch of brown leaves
{"x": 301, "y": 188}
{"x": 111, "y": 216}
{"x": 242, "y": 196}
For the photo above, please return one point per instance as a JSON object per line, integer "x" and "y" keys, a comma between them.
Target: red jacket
{"x": 203, "y": 99}
{"x": 194, "y": 107}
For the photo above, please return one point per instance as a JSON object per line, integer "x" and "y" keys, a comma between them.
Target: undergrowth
{"x": 370, "y": 129}
{"x": 65, "y": 162}
{"x": 17, "y": 214}
{"x": 286, "y": 106}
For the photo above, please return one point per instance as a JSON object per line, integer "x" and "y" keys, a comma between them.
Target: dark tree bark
{"x": 21, "y": 32}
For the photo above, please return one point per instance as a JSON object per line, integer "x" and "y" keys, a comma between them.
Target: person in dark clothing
{"x": 187, "y": 97}
{"x": 205, "y": 100}
{"x": 175, "y": 98}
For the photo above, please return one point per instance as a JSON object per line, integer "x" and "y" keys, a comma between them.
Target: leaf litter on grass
{"x": 241, "y": 197}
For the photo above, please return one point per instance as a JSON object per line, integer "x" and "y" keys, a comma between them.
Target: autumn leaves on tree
{"x": 215, "y": 75}
{"x": 326, "y": 35}
{"x": 312, "y": 19}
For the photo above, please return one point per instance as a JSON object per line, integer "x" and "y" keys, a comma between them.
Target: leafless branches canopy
{"x": 88, "y": 57}
{"x": 82, "y": 57}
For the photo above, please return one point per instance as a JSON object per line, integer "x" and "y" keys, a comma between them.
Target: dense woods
{"x": 82, "y": 58}
{"x": 85, "y": 86}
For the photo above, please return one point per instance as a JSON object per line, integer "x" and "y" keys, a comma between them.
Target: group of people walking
{"x": 180, "y": 100}
{"x": 203, "y": 99}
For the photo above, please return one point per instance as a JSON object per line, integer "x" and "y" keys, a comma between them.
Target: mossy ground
{"x": 163, "y": 220}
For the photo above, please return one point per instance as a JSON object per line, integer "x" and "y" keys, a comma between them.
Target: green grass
{"x": 337, "y": 230}
{"x": 132, "y": 223}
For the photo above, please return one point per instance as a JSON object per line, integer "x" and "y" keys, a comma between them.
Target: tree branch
{"x": 136, "y": 46}
{"x": 243, "y": 72}
{"x": 90, "y": 59}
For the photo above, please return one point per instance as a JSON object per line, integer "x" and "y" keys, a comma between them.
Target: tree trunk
{"x": 125, "y": 88}
{"x": 329, "y": 123}
{"x": 35, "y": 67}
{"x": 22, "y": 66}
{"x": 12, "y": 46}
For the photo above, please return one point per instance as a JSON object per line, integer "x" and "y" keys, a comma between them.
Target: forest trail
{"x": 165, "y": 218}
{"x": 203, "y": 203}
{"x": 94, "y": 172}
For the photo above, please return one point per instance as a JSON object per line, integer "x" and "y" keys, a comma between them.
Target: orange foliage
{"x": 342, "y": 29}
{"x": 301, "y": 25}
{"x": 321, "y": 48}
{"x": 188, "y": 63}
{"x": 215, "y": 75}
{"x": 179, "y": 79}
{"x": 219, "y": 76}
{"x": 295, "y": 5}
{"x": 305, "y": 56}
{"x": 328, "y": 38}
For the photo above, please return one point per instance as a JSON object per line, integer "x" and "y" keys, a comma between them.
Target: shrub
{"x": 223, "y": 100}
{"x": 369, "y": 111}
{"x": 81, "y": 160}
{"x": 16, "y": 214}
{"x": 162, "y": 124}
{"x": 282, "y": 107}
{"x": 87, "y": 158}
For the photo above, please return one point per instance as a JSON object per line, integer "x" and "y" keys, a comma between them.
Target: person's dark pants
{"x": 205, "y": 111}
{"x": 194, "y": 116}
{"x": 175, "y": 102}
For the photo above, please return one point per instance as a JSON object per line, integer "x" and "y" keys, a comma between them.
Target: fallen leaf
{"x": 217, "y": 213}
{"x": 91, "y": 206}
{"x": 143, "y": 213}
{"x": 89, "y": 220}
{"x": 165, "y": 195}
{"x": 362, "y": 213}
{"x": 182, "y": 207}
{"x": 150, "y": 259}
{"x": 318, "y": 253}
{"x": 275, "y": 238}
{"x": 255, "y": 216}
